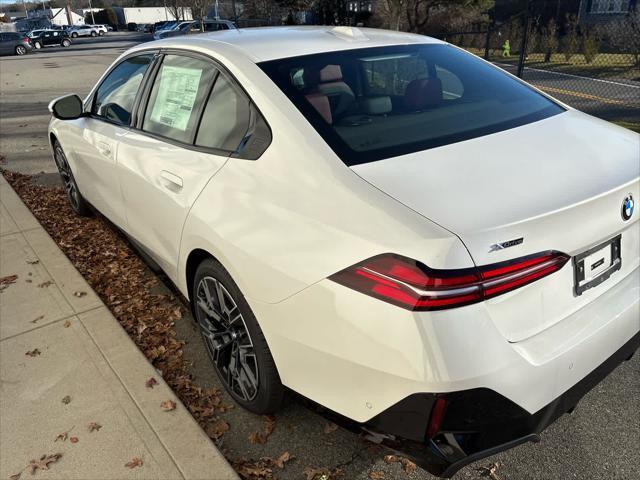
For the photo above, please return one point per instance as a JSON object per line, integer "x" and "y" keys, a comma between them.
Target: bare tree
{"x": 625, "y": 34}
{"x": 199, "y": 9}
{"x": 176, "y": 9}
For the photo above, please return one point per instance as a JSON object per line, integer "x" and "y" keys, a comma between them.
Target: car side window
{"x": 178, "y": 92}
{"x": 116, "y": 95}
{"x": 226, "y": 117}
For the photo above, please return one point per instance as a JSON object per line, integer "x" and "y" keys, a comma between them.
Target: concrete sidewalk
{"x": 86, "y": 356}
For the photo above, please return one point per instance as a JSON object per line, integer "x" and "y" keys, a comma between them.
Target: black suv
{"x": 46, "y": 38}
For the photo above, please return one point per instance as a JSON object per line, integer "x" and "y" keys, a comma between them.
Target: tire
{"x": 37, "y": 45}
{"x": 101, "y": 33}
{"x": 77, "y": 202}
{"x": 21, "y": 50}
{"x": 230, "y": 330}
{"x": 65, "y": 43}
{"x": 93, "y": 34}
{"x": 74, "y": 34}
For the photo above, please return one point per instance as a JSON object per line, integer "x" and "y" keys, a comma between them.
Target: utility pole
{"x": 93, "y": 20}
{"x": 24, "y": 4}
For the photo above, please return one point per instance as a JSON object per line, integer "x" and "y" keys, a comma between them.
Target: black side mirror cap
{"x": 68, "y": 107}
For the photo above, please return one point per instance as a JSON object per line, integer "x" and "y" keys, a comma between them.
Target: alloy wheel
{"x": 227, "y": 339}
{"x": 37, "y": 45}
{"x": 20, "y": 50}
{"x": 68, "y": 181}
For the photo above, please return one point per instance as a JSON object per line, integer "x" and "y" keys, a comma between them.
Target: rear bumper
{"x": 477, "y": 423}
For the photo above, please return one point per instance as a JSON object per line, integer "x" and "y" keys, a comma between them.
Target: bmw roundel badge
{"x": 628, "y": 206}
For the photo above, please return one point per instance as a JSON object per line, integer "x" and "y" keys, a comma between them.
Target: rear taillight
{"x": 25, "y": 40}
{"x": 436, "y": 417}
{"x": 414, "y": 286}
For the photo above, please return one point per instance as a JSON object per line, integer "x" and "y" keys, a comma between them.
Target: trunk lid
{"x": 557, "y": 184}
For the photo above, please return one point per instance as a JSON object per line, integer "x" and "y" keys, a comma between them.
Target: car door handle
{"x": 171, "y": 180}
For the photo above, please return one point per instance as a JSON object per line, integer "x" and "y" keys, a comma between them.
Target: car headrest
{"x": 376, "y": 105}
{"x": 422, "y": 93}
{"x": 331, "y": 73}
{"x": 321, "y": 104}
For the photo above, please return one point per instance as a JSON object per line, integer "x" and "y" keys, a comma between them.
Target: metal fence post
{"x": 487, "y": 43}
{"x": 525, "y": 38}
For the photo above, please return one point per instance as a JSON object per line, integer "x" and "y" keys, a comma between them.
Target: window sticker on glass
{"x": 176, "y": 96}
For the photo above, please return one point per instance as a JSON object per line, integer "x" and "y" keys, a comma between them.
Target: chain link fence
{"x": 592, "y": 66}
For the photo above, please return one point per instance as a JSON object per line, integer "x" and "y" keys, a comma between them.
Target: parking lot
{"x": 600, "y": 440}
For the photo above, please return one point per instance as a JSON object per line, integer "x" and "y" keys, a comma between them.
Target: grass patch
{"x": 635, "y": 126}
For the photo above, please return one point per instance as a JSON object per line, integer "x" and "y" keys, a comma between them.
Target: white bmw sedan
{"x": 394, "y": 228}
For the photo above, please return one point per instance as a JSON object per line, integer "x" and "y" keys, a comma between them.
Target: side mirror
{"x": 68, "y": 107}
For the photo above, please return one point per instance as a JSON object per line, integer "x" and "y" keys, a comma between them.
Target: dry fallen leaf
{"x": 37, "y": 319}
{"x": 217, "y": 429}
{"x": 73, "y": 439}
{"x": 282, "y": 459}
{"x": 93, "y": 426}
{"x": 490, "y": 471}
{"x": 62, "y": 436}
{"x": 33, "y": 353}
{"x": 151, "y": 382}
{"x": 43, "y": 463}
{"x": 407, "y": 464}
{"x": 330, "y": 427}
{"x": 45, "y": 284}
{"x": 33, "y": 262}
{"x": 66, "y": 399}
{"x": 67, "y": 323}
{"x": 134, "y": 462}
{"x": 79, "y": 294}
{"x": 168, "y": 405}
{"x": 261, "y": 437}
{"x": 376, "y": 475}
{"x": 322, "y": 473}
{"x": 15, "y": 476}
{"x": 6, "y": 281}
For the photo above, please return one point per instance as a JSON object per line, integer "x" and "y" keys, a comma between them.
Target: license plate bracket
{"x": 594, "y": 266}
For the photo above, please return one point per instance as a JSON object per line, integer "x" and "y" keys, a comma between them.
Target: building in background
{"x": 603, "y": 11}
{"x": 126, "y": 15}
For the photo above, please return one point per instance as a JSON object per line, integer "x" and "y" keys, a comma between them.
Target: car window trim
{"x": 92, "y": 97}
{"x": 141, "y": 108}
{"x": 147, "y": 95}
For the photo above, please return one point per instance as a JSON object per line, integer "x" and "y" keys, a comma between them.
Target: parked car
{"x": 144, "y": 27}
{"x": 176, "y": 29}
{"x": 132, "y": 26}
{"x": 159, "y": 26}
{"x": 440, "y": 253}
{"x": 46, "y": 38}
{"x": 33, "y": 33}
{"x": 82, "y": 31}
{"x": 101, "y": 29}
{"x": 188, "y": 28}
{"x": 13, "y": 43}
{"x": 168, "y": 25}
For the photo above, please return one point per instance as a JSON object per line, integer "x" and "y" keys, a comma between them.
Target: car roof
{"x": 262, "y": 44}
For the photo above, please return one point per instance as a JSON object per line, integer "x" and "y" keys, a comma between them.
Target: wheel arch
{"x": 195, "y": 258}
{"x": 52, "y": 139}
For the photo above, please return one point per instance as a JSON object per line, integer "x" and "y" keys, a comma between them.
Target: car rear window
{"x": 375, "y": 103}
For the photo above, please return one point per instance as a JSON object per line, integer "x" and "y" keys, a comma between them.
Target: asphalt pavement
{"x": 600, "y": 440}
